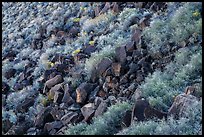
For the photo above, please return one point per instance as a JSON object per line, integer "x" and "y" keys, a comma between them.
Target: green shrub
{"x": 103, "y": 125}
{"x": 176, "y": 28}
{"x": 161, "y": 87}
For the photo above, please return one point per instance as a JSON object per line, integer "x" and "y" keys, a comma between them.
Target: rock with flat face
{"x": 43, "y": 117}
{"x": 54, "y": 81}
{"x": 58, "y": 97}
{"x": 52, "y": 125}
{"x": 181, "y": 103}
{"x": 103, "y": 65}
{"x": 139, "y": 108}
{"x": 70, "y": 117}
{"x": 136, "y": 36}
{"x": 88, "y": 111}
{"x": 130, "y": 46}
{"x": 101, "y": 108}
{"x": 83, "y": 91}
{"x": 121, "y": 54}
{"x": 25, "y": 105}
{"x": 66, "y": 97}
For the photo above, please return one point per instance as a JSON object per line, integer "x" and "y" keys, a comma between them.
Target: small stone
{"x": 57, "y": 88}
{"x": 32, "y": 131}
{"x": 108, "y": 72}
{"x": 58, "y": 97}
{"x": 97, "y": 101}
{"x": 57, "y": 113}
{"x": 133, "y": 68}
{"x": 112, "y": 99}
{"x": 102, "y": 93}
{"x": 56, "y": 80}
{"x": 115, "y": 7}
{"x": 5, "y": 88}
{"x": 126, "y": 120}
{"x": 130, "y": 46}
{"x": 108, "y": 78}
{"x": 139, "y": 77}
{"x": 137, "y": 94}
{"x": 124, "y": 79}
{"x": 53, "y": 125}
{"x": 116, "y": 67}
{"x": 10, "y": 73}
{"x": 89, "y": 49}
{"x": 132, "y": 87}
{"x": 136, "y": 36}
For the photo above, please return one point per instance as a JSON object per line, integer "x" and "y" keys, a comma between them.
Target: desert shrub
{"x": 176, "y": 28}
{"x": 161, "y": 87}
{"x": 103, "y": 125}
{"x": 20, "y": 65}
{"x": 15, "y": 98}
{"x": 10, "y": 115}
{"x": 98, "y": 22}
{"x": 189, "y": 124}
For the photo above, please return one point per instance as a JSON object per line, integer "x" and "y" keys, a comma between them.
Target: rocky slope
{"x": 90, "y": 64}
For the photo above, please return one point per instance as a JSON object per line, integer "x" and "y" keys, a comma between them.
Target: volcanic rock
{"x": 181, "y": 103}
{"x": 116, "y": 67}
{"x": 120, "y": 54}
{"x": 101, "y": 108}
{"x": 56, "y": 80}
{"x": 126, "y": 120}
{"x": 139, "y": 108}
{"x": 70, "y": 117}
{"x": 103, "y": 65}
{"x": 10, "y": 73}
{"x": 88, "y": 111}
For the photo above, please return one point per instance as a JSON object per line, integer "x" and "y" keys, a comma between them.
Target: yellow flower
{"x": 84, "y": 33}
{"x": 50, "y": 64}
{"x": 44, "y": 102}
{"x": 76, "y": 19}
{"x": 91, "y": 42}
{"x": 76, "y": 51}
{"x": 196, "y": 13}
{"x": 83, "y": 8}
